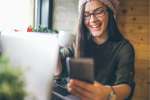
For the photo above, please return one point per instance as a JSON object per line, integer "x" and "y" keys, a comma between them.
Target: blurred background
{"x": 133, "y": 21}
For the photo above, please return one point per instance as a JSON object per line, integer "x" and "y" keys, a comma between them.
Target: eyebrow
{"x": 95, "y": 9}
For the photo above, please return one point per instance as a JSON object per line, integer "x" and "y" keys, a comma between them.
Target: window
{"x": 16, "y": 14}
{"x": 43, "y": 13}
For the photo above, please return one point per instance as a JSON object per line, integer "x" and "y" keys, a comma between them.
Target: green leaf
{"x": 12, "y": 82}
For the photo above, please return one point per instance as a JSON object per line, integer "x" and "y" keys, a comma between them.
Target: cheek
{"x": 105, "y": 22}
{"x": 86, "y": 24}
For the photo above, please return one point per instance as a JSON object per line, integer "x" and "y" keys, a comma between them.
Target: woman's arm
{"x": 122, "y": 91}
{"x": 97, "y": 91}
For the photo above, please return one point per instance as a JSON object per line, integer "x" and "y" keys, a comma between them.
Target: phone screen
{"x": 81, "y": 69}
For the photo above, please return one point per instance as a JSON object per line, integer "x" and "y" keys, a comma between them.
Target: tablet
{"x": 81, "y": 69}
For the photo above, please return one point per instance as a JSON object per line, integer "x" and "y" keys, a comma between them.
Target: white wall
{"x": 16, "y": 14}
{"x": 65, "y": 15}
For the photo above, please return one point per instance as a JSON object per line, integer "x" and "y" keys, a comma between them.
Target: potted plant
{"x": 11, "y": 81}
{"x": 41, "y": 29}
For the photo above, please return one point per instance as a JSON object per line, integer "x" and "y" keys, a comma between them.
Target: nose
{"x": 93, "y": 19}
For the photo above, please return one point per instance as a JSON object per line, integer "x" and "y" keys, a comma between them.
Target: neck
{"x": 101, "y": 39}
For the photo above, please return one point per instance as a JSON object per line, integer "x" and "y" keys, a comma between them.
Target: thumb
{"x": 97, "y": 84}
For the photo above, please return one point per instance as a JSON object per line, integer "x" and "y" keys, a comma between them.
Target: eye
{"x": 99, "y": 11}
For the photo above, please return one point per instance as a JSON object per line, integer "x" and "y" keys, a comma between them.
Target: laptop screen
{"x": 36, "y": 54}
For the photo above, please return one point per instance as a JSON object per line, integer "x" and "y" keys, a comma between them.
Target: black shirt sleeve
{"x": 125, "y": 68}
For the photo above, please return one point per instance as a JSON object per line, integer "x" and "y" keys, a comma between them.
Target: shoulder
{"x": 126, "y": 45}
{"x": 125, "y": 48}
{"x": 123, "y": 44}
{"x": 122, "y": 48}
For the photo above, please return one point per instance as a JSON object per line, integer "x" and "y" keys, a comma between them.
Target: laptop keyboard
{"x": 60, "y": 90}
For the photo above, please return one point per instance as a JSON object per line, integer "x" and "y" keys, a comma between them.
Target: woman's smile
{"x": 95, "y": 27}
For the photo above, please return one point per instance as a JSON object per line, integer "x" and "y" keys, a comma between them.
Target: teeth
{"x": 94, "y": 26}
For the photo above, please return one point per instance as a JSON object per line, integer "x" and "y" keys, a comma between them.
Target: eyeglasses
{"x": 99, "y": 12}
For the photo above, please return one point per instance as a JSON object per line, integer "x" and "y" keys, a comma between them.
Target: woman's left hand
{"x": 87, "y": 91}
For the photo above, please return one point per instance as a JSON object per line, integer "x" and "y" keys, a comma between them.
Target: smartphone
{"x": 81, "y": 69}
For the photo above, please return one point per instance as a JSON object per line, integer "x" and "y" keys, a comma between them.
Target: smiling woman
{"x": 97, "y": 21}
{"x": 16, "y": 14}
{"x": 99, "y": 38}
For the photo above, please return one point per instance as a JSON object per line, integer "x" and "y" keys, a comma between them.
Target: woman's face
{"x": 96, "y": 18}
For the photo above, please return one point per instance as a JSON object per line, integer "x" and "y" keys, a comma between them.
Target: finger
{"x": 84, "y": 98}
{"x": 69, "y": 87}
{"x": 82, "y": 92}
{"x": 84, "y": 85}
{"x": 80, "y": 95}
{"x": 98, "y": 84}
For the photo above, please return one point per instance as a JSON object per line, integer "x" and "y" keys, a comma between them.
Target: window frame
{"x": 43, "y": 14}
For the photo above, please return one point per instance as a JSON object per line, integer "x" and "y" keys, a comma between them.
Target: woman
{"x": 100, "y": 39}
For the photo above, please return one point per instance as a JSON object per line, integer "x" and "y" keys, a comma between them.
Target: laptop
{"x": 37, "y": 55}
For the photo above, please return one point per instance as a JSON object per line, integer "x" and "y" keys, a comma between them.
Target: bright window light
{"x": 16, "y": 14}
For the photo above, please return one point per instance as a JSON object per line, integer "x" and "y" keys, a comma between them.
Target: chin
{"x": 96, "y": 34}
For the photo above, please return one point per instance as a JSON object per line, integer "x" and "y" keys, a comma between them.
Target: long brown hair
{"x": 83, "y": 33}
{"x": 79, "y": 44}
